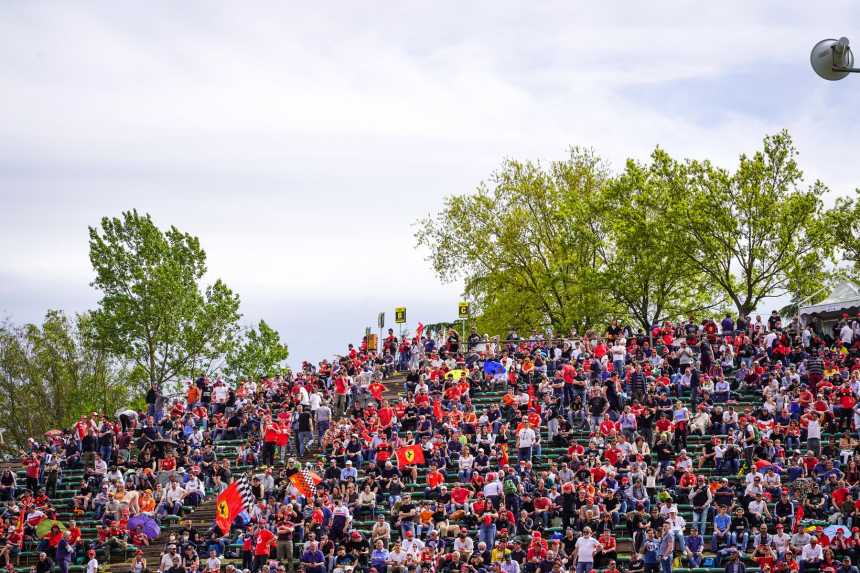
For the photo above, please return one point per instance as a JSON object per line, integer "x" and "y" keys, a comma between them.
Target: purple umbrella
{"x": 150, "y": 528}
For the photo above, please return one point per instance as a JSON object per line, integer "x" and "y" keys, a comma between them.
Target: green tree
{"x": 52, "y": 373}
{"x": 525, "y": 244}
{"x": 154, "y": 311}
{"x": 843, "y": 224}
{"x": 642, "y": 268}
{"x": 258, "y": 353}
{"x": 754, "y": 233}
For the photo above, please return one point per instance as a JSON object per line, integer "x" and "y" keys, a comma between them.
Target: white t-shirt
{"x": 585, "y": 548}
{"x": 813, "y": 429}
{"x": 93, "y": 565}
{"x": 526, "y": 438}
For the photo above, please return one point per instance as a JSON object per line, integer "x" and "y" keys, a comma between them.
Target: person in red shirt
{"x": 537, "y": 547}
{"x": 460, "y": 496}
{"x": 663, "y": 425}
{"x": 31, "y": 468}
{"x": 386, "y": 415}
{"x": 435, "y": 479}
{"x": 543, "y": 509}
{"x": 608, "y": 427}
{"x": 263, "y": 541}
{"x": 376, "y": 389}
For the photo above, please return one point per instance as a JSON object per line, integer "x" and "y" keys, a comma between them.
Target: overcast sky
{"x": 300, "y": 141}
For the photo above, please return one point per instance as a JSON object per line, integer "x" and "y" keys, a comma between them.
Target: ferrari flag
{"x": 410, "y": 455}
{"x": 228, "y": 505}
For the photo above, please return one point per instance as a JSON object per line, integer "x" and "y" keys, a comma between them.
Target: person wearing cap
{"x": 846, "y": 566}
{"x": 412, "y": 545}
{"x": 780, "y": 541}
{"x": 167, "y": 558}
{"x": 735, "y": 564}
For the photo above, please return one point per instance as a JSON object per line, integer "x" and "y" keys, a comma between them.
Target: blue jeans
{"x": 302, "y": 439}
{"x": 740, "y": 541}
{"x": 666, "y": 564}
{"x": 487, "y": 534}
{"x": 407, "y": 526}
{"x": 584, "y": 566}
{"x": 525, "y": 454}
{"x": 700, "y": 520}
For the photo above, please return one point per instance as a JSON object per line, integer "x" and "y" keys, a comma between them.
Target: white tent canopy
{"x": 845, "y": 298}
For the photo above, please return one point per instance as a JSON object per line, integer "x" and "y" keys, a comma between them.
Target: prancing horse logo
{"x": 223, "y": 510}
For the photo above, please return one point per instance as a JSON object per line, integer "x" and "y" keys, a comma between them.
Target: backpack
{"x": 509, "y": 487}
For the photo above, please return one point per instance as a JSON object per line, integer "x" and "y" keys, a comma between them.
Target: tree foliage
{"x": 52, "y": 373}
{"x": 843, "y": 222}
{"x": 757, "y": 232}
{"x": 258, "y": 353}
{"x": 641, "y": 267}
{"x": 154, "y": 311}
{"x": 525, "y": 244}
{"x": 571, "y": 245}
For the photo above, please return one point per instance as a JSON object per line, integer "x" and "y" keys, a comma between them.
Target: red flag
{"x": 410, "y": 455}
{"x": 503, "y": 459}
{"x": 437, "y": 410}
{"x": 419, "y": 331}
{"x": 19, "y": 527}
{"x": 228, "y": 505}
{"x": 798, "y": 515}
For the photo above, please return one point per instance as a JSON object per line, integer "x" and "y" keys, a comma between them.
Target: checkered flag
{"x": 306, "y": 482}
{"x": 248, "y": 497}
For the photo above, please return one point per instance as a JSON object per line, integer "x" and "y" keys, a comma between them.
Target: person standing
{"x": 813, "y": 434}
{"x": 584, "y": 550}
{"x": 735, "y": 565}
{"x": 526, "y": 438}
{"x": 305, "y": 430}
{"x": 64, "y": 552}
{"x": 667, "y": 548}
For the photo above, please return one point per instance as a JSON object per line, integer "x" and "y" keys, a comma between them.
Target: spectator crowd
{"x": 702, "y": 444}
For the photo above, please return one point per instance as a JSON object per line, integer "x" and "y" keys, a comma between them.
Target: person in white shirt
{"x": 166, "y": 558}
{"x": 213, "y": 563}
{"x": 464, "y": 545}
{"x": 677, "y": 525}
{"x": 466, "y": 463}
{"x": 194, "y": 491}
{"x": 846, "y": 334}
{"x": 219, "y": 392}
{"x": 758, "y": 508}
{"x": 172, "y": 500}
{"x": 93, "y": 563}
{"x": 584, "y": 550}
{"x": 811, "y": 555}
{"x": 412, "y": 545}
{"x": 813, "y": 434}
{"x": 780, "y": 541}
{"x": 619, "y": 354}
{"x": 526, "y": 438}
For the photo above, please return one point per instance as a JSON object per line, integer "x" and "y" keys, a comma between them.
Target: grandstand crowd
{"x": 725, "y": 445}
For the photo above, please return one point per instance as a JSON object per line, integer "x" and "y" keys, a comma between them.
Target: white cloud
{"x": 300, "y": 143}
